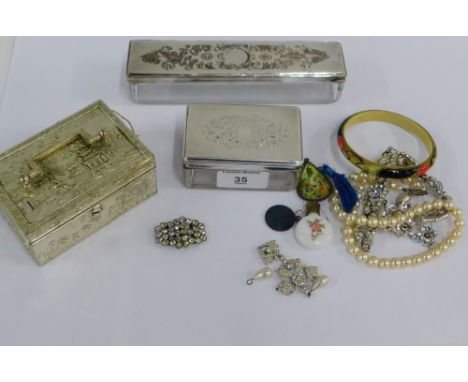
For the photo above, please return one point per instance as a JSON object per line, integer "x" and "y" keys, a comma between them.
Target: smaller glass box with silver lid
{"x": 280, "y": 72}
{"x": 242, "y": 147}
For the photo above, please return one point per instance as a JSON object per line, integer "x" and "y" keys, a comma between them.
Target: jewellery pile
{"x": 180, "y": 232}
{"x": 311, "y": 230}
{"x": 403, "y": 217}
{"x": 294, "y": 275}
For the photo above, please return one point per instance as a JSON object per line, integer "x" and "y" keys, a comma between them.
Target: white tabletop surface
{"x": 118, "y": 287}
{"x": 6, "y": 51}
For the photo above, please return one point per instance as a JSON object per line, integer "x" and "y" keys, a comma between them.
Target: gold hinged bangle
{"x": 379, "y": 169}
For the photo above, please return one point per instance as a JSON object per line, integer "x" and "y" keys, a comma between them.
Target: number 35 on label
{"x": 242, "y": 179}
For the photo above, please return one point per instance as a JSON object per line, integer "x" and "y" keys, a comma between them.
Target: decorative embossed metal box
{"x": 242, "y": 146}
{"x": 240, "y": 72}
{"x": 72, "y": 179}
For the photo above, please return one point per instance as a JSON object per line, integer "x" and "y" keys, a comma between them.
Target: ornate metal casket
{"x": 72, "y": 179}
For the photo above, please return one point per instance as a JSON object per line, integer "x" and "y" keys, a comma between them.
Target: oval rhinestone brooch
{"x": 180, "y": 232}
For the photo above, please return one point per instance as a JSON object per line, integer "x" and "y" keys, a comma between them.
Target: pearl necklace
{"x": 354, "y": 220}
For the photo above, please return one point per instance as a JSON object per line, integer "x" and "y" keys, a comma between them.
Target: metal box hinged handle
{"x": 35, "y": 165}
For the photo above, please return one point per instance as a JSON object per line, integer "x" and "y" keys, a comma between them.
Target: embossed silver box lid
{"x": 263, "y": 71}
{"x": 243, "y": 137}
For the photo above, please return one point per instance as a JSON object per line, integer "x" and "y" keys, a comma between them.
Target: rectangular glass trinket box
{"x": 72, "y": 179}
{"x": 281, "y": 72}
{"x": 242, "y": 147}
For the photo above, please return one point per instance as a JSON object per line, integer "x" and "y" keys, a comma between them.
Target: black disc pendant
{"x": 280, "y": 218}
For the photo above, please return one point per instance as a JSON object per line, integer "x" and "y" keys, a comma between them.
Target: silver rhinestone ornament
{"x": 374, "y": 200}
{"x": 396, "y": 158}
{"x": 365, "y": 238}
{"x": 294, "y": 275}
{"x": 180, "y": 232}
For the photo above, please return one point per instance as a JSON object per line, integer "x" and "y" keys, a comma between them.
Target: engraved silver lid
{"x": 171, "y": 61}
{"x": 243, "y": 136}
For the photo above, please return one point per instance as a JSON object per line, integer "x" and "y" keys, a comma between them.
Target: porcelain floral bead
{"x": 313, "y": 231}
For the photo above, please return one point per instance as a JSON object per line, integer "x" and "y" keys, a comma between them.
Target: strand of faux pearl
{"x": 353, "y": 220}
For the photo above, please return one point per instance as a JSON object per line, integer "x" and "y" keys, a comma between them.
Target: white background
{"x": 6, "y": 51}
{"x": 118, "y": 287}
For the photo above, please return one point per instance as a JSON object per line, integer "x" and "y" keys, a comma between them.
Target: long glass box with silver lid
{"x": 287, "y": 72}
{"x": 242, "y": 147}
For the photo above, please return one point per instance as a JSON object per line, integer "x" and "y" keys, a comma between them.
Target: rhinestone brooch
{"x": 180, "y": 232}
